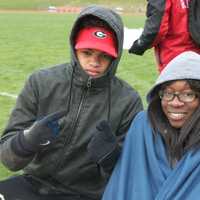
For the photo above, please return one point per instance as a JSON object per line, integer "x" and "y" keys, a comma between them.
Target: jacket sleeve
{"x": 22, "y": 117}
{"x": 155, "y": 28}
{"x": 130, "y": 112}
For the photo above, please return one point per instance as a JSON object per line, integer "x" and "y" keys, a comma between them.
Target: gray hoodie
{"x": 184, "y": 66}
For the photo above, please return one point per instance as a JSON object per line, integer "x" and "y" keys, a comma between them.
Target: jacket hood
{"x": 184, "y": 66}
{"x": 115, "y": 23}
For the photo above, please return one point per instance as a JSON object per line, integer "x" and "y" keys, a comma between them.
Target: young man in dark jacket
{"x": 59, "y": 132}
{"x": 167, "y": 30}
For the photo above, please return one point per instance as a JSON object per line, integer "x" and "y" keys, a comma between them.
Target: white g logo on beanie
{"x": 100, "y": 34}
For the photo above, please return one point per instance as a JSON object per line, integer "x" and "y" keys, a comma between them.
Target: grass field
{"x": 30, "y": 41}
{"x": 43, "y": 4}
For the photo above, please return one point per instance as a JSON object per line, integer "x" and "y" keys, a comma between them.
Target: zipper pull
{"x": 89, "y": 82}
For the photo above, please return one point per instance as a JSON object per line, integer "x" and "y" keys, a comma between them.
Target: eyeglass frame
{"x": 177, "y": 94}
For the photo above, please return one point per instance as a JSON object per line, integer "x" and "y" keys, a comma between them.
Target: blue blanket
{"x": 144, "y": 173}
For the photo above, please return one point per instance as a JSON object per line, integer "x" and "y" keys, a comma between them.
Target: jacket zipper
{"x": 68, "y": 139}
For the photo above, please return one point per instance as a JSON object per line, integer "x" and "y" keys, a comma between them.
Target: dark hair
{"x": 194, "y": 84}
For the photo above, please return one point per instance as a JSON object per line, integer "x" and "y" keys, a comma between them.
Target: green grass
{"x": 31, "y": 41}
{"x": 43, "y": 4}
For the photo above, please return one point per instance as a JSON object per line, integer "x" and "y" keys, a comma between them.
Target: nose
{"x": 176, "y": 102}
{"x": 94, "y": 62}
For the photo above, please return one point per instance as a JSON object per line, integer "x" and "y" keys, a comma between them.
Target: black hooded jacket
{"x": 65, "y": 163}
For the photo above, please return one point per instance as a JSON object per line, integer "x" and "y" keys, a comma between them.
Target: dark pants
{"x": 21, "y": 188}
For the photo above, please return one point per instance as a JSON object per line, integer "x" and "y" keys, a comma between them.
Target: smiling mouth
{"x": 176, "y": 116}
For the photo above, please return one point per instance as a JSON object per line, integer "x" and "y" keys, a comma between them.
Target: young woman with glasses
{"x": 161, "y": 154}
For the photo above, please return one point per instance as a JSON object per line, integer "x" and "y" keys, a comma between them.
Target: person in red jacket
{"x": 167, "y": 30}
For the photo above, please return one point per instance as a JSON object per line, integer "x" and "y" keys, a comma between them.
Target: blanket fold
{"x": 144, "y": 173}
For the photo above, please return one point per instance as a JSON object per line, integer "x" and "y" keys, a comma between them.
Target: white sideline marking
{"x": 8, "y": 95}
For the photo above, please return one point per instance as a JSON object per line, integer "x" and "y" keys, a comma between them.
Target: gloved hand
{"x": 103, "y": 148}
{"x": 40, "y": 134}
{"x": 137, "y": 48}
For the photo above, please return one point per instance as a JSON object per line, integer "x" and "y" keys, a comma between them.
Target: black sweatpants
{"x": 20, "y": 188}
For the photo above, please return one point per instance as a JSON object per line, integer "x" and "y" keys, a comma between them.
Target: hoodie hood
{"x": 184, "y": 66}
{"x": 115, "y": 23}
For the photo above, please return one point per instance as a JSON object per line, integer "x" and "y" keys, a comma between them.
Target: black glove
{"x": 137, "y": 48}
{"x": 39, "y": 135}
{"x": 103, "y": 148}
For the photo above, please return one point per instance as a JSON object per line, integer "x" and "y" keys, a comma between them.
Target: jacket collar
{"x": 81, "y": 78}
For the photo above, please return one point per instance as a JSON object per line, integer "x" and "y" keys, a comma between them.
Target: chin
{"x": 176, "y": 124}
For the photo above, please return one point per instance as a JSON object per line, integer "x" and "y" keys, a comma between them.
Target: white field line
{"x": 5, "y": 94}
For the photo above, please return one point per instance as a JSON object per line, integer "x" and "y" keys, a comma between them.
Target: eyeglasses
{"x": 185, "y": 97}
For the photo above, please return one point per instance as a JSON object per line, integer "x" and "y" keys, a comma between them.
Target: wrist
{"x": 111, "y": 156}
{"x": 109, "y": 161}
{"x": 20, "y": 146}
